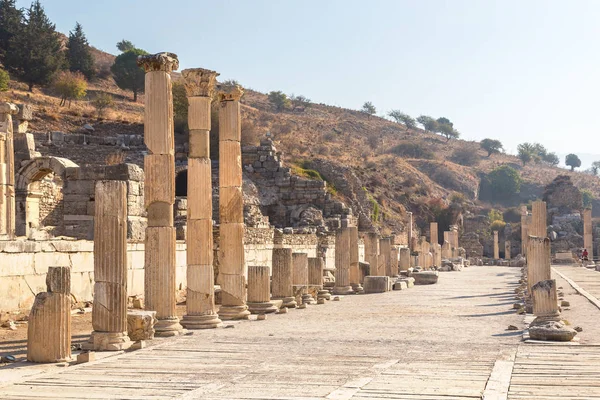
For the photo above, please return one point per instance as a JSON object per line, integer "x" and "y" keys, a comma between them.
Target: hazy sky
{"x": 515, "y": 70}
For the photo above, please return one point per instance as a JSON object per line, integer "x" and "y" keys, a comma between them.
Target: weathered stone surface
{"x": 400, "y": 285}
{"x": 555, "y": 331}
{"x": 342, "y": 262}
{"x": 140, "y": 324}
{"x": 377, "y": 284}
{"x": 425, "y": 277}
{"x": 259, "y": 291}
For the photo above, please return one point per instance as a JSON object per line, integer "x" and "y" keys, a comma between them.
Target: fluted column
{"x": 538, "y": 215}
{"x": 588, "y": 240}
{"x": 433, "y": 233}
{"x": 282, "y": 277}
{"x": 496, "y": 246}
{"x": 259, "y": 290}
{"x": 371, "y": 251}
{"x": 49, "y": 326}
{"x": 159, "y": 192}
{"x": 7, "y": 171}
{"x": 354, "y": 266}
{"x": 385, "y": 249}
{"x": 200, "y": 304}
{"x": 538, "y": 265}
{"x": 300, "y": 273}
{"x": 315, "y": 277}
{"x": 342, "y": 262}
{"x": 109, "y": 314}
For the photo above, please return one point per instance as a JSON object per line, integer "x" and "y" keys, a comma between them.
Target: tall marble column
{"x": 588, "y": 240}
{"x": 372, "y": 251}
{"x": 300, "y": 275}
{"x": 385, "y": 249}
{"x": 109, "y": 314}
{"x": 200, "y": 305}
{"x": 354, "y": 266}
{"x": 524, "y": 233}
{"x": 342, "y": 262}
{"x": 282, "y": 277}
{"x": 49, "y": 327}
{"x": 433, "y": 233}
{"x": 159, "y": 192}
{"x": 7, "y": 171}
{"x": 507, "y": 250}
{"x": 394, "y": 261}
{"x": 409, "y": 229}
{"x": 259, "y": 290}
{"x": 231, "y": 207}
{"x": 496, "y": 246}
{"x": 539, "y": 226}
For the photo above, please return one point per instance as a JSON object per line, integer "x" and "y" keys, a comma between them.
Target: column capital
{"x": 167, "y": 62}
{"x": 8, "y": 108}
{"x": 199, "y": 82}
{"x": 230, "y": 93}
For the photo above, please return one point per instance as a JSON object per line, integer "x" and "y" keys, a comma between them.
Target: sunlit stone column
{"x": 200, "y": 304}
{"x": 524, "y": 233}
{"x": 496, "y": 246}
{"x": 259, "y": 290}
{"x": 300, "y": 277}
{"x": 437, "y": 254}
{"x": 588, "y": 240}
{"x": 7, "y": 171}
{"x": 49, "y": 326}
{"x": 231, "y": 207}
{"x": 159, "y": 192}
{"x": 409, "y": 228}
{"x": 109, "y": 314}
{"x": 404, "y": 262}
{"x": 385, "y": 249}
{"x": 282, "y": 277}
{"x": 372, "y": 251}
{"x": 433, "y": 233}
{"x": 507, "y": 249}
{"x": 394, "y": 261}
{"x": 342, "y": 262}
{"x": 538, "y": 226}
{"x": 446, "y": 250}
{"x": 548, "y": 324}
{"x": 538, "y": 264}
{"x": 354, "y": 266}
{"x": 315, "y": 277}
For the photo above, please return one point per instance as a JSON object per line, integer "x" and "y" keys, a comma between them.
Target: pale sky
{"x": 513, "y": 70}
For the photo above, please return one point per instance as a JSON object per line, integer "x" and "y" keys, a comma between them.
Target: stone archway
{"x": 29, "y": 191}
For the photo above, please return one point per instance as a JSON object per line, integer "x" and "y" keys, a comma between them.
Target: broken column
{"x": 446, "y": 250}
{"x": 496, "y": 246}
{"x": 433, "y": 233}
{"x": 385, "y": 249}
{"x": 372, "y": 251}
{"x": 507, "y": 250}
{"x": 282, "y": 277}
{"x": 231, "y": 207}
{"x": 354, "y": 266}
{"x": 7, "y": 171}
{"x": 200, "y": 304}
{"x": 437, "y": 254}
{"x": 342, "y": 261}
{"x": 538, "y": 225}
{"x": 315, "y": 277}
{"x": 300, "y": 278}
{"x": 109, "y": 314}
{"x": 394, "y": 261}
{"x": 548, "y": 324}
{"x": 588, "y": 240}
{"x": 538, "y": 265}
{"x": 159, "y": 192}
{"x": 259, "y": 290}
{"x": 49, "y": 326}
{"x": 404, "y": 262}
{"x": 524, "y": 233}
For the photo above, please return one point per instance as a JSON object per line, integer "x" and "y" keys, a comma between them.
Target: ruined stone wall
{"x": 51, "y": 204}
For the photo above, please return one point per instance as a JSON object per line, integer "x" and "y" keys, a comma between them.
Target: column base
{"x": 231, "y": 313}
{"x": 266, "y": 307}
{"x": 342, "y": 290}
{"x": 551, "y": 329}
{"x": 108, "y": 341}
{"x": 308, "y": 299}
{"x": 167, "y": 327}
{"x": 288, "y": 302}
{"x": 207, "y": 321}
{"x": 323, "y": 294}
{"x": 358, "y": 288}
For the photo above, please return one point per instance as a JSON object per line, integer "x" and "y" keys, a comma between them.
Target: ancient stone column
{"x": 354, "y": 266}
{"x": 231, "y": 207}
{"x": 538, "y": 215}
{"x": 524, "y": 233}
{"x": 496, "y": 246}
{"x": 300, "y": 277}
{"x": 159, "y": 192}
{"x": 394, "y": 260}
{"x": 446, "y": 250}
{"x": 342, "y": 262}
{"x": 547, "y": 324}
{"x": 385, "y": 249}
{"x": 282, "y": 277}
{"x": 409, "y": 227}
{"x": 437, "y": 254}
{"x": 109, "y": 314}
{"x": 538, "y": 264}
{"x": 200, "y": 304}
{"x": 404, "y": 263}
{"x": 447, "y": 236}
{"x": 588, "y": 240}
{"x": 372, "y": 251}
{"x": 315, "y": 277}
{"x": 433, "y": 233}
{"x": 259, "y": 290}
{"x": 507, "y": 249}
{"x": 49, "y": 326}
{"x": 7, "y": 171}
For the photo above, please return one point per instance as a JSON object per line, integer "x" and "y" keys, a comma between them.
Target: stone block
{"x": 376, "y": 284}
{"x": 410, "y": 282}
{"x": 140, "y": 324}
{"x": 400, "y": 285}
{"x": 425, "y": 277}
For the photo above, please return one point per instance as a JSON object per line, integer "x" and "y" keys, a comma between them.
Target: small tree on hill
{"x": 279, "y": 100}
{"x": 491, "y": 146}
{"x": 101, "y": 103}
{"x": 369, "y": 109}
{"x": 504, "y": 182}
{"x": 525, "y": 152}
{"x": 10, "y": 24}
{"x": 299, "y": 102}
{"x": 78, "y": 53}
{"x": 127, "y": 74}
{"x": 403, "y": 118}
{"x": 587, "y": 197}
{"x": 595, "y": 168}
{"x": 572, "y": 161}
{"x": 35, "y": 52}
{"x": 448, "y": 131}
{"x": 70, "y": 86}
{"x": 125, "y": 45}
{"x": 4, "y": 79}
{"x": 551, "y": 159}
{"x": 444, "y": 121}
{"x": 429, "y": 124}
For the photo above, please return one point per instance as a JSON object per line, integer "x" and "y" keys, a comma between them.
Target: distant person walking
{"x": 584, "y": 255}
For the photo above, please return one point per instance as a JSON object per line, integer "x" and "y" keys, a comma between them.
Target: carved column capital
{"x": 199, "y": 82}
{"x": 167, "y": 62}
{"x": 230, "y": 93}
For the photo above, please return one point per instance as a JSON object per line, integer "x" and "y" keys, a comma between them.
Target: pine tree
{"x": 35, "y": 52}
{"x": 127, "y": 74}
{"x": 11, "y": 19}
{"x": 78, "y": 53}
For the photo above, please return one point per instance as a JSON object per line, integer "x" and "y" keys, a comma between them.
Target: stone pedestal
{"x": 342, "y": 262}
{"x": 385, "y": 249}
{"x": 282, "y": 277}
{"x": 588, "y": 240}
{"x": 377, "y": 284}
{"x": 259, "y": 291}
{"x": 49, "y": 326}
{"x": 7, "y": 171}
{"x": 109, "y": 314}
{"x": 300, "y": 278}
{"x": 547, "y": 324}
{"x": 404, "y": 262}
{"x": 159, "y": 192}
{"x": 496, "y": 246}
{"x": 231, "y": 207}
{"x": 200, "y": 304}
{"x": 394, "y": 261}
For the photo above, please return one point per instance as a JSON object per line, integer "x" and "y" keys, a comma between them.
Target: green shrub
{"x": 465, "y": 156}
{"x": 497, "y": 226}
{"x": 501, "y": 184}
{"x": 413, "y": 150}
{"x": 495, "y": 215}
{"x": 102, "y": 102}
{"x": 587, "y": 197}
{"x": 4, "y": 79}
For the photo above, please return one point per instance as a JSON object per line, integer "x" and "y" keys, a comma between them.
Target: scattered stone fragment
{"x": 140, "y": 324}
{"x": 565, "y": 303}
{"x": 302, "y": 306}
{"x": 578, "y": 329}
{"x": 425, "y": 277}
{"x": 336, "y": 298}
{"x": 521, "y": 311}
{"x": 377, "y": 284}
{"x": 320, "y": 301}
{"x": 512, "y": 328}
{"x": 140, "y": 344}
{"x": 138, "y": 303}
{"x": 86, "y": 357}
{"x": 282, "y": 310}
{"x": 8, "y": 359}
{"x": 229, "y": 326}
{"x": 261, "y": 317}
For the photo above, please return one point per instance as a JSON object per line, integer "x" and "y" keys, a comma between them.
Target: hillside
{"x": 351, "y": 150}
